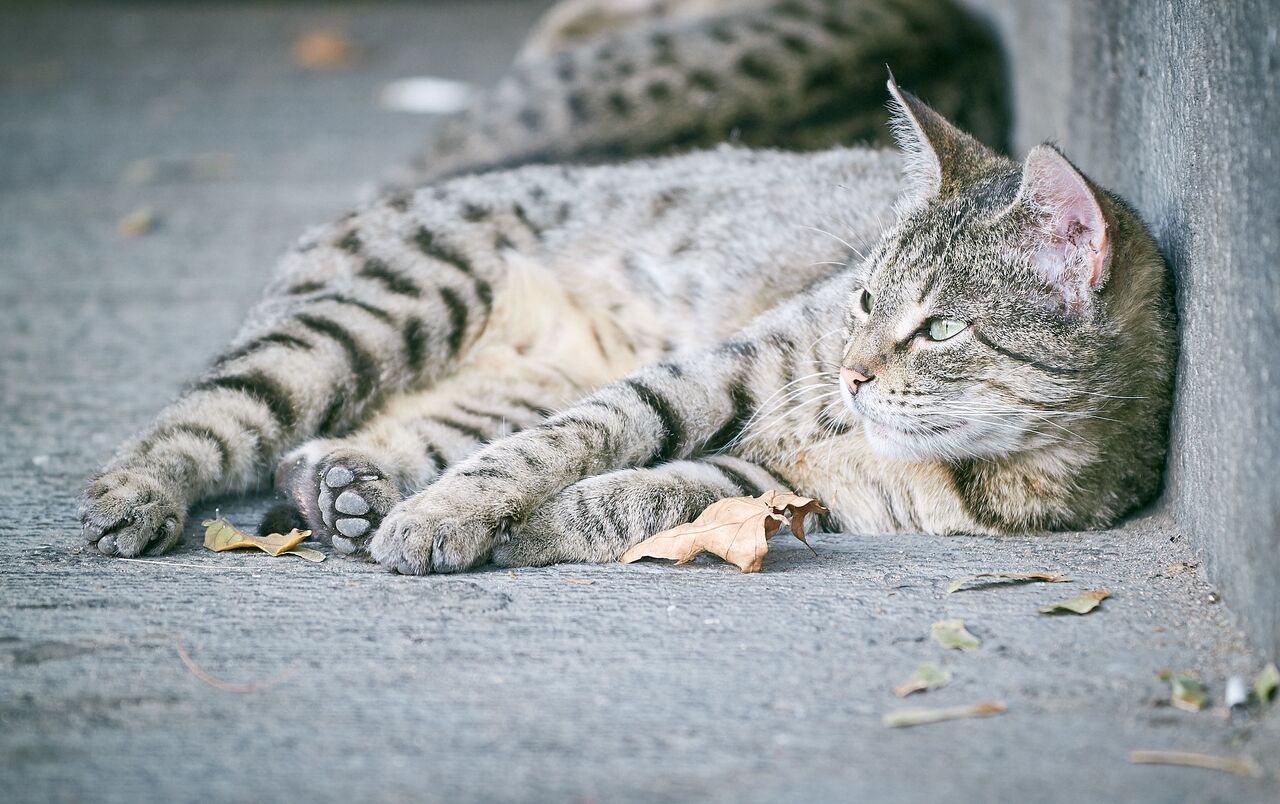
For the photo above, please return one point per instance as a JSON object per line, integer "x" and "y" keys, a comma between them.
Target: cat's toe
{"x": 127, "y": 513}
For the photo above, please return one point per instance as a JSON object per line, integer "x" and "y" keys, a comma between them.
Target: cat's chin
{"x": 890, "y": 442}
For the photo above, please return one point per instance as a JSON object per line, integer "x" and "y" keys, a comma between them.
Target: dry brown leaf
{"x": 736, "y": 529}
{"x": 580, "y": 581}
{"x": 1241, "y": 766}
{"x": 220, "y": 535}
{"x": 323, "y": 49}
{"x": 918, "y": 716}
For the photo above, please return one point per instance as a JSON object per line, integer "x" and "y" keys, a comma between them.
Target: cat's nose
{"x": 853, "y": 378}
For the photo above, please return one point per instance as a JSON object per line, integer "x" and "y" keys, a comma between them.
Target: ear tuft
{"x": 1071, "y": 239}
{"x": 940, "y": 159}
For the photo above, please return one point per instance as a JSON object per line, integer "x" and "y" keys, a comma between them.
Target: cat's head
{"x": 1011, "y": 307}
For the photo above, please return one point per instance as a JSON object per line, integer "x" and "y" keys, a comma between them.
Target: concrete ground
{"x": 570, "y": 683}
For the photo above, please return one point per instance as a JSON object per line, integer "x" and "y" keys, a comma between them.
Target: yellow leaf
{"x": 221, "y": 535}
{"x": 736, "y": 529}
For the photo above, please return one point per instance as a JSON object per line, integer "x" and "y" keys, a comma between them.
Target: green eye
{"x": 866, "y": 301}
{"x": 940, "y": 329}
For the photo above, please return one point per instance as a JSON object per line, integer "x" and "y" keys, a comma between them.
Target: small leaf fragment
{"x": 323, "y": 49}
{"x": 1010, "y": 577}
{"x": 1185, "y": 692}
{"x": 736, "y": 529}
{"x": 137, "y": 223}
{"x": 220, "y": 535}
{"x": 1264, "y": 686}
{"x": 926, "y": 676}
{"x": 1082, "y": 603}
{"x": 1241, "y": 766}
{"x": 918, "y": 716}
{"x": 953, "y": 634}
{"x": 306, "y": 554}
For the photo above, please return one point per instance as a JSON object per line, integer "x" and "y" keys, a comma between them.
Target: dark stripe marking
{"x": 415, "y": 343}
{"x": 362, "y": 364}
{"x": 394, "y": 282}
{"x": 340, "y": 298}
{"x": 744, "y": 406}
{"x": 263, "y": 389}
{"x": 461, "y": 427}
{"x": 202, "y": 432}
{"x": 428, "y": 244}
{"x": 673, "y": 430}
{"x": 743, "y": 483}
{"x": 1021, "y": 358}
{"x": 457, "y": 319}
{"x": 274, "y": 338}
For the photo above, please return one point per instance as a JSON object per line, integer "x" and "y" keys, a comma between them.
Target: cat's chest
{"x": 868, "y": 493}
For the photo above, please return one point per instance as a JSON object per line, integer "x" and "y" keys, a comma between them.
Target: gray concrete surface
{"x": 650, "y": 683}
{"x": 1176, "y": 105}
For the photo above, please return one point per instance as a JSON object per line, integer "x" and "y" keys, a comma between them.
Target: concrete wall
{"x": 1175, "y": 105}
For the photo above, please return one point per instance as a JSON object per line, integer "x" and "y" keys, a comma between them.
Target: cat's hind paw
{"x": 127, "y": 513}
{"x": 343, "y": 495}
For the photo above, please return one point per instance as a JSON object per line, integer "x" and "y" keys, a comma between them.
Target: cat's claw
{"x": 127, "y": 513}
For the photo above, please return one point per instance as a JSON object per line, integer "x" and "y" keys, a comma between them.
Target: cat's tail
{"x": 800, "y": 74}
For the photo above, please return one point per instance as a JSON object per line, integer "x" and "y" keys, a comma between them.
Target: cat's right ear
{"x": 940, "y": 158}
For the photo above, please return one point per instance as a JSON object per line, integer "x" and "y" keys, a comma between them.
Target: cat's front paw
{"x": 436, "y": 531}
{"x": 126, "y": 513}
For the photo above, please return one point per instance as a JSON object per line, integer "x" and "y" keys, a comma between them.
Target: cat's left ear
{"x": 1071, "y": 244}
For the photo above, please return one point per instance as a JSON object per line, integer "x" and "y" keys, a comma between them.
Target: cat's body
{"x": 977, "y": 347}
{"x": 605, "y": 80}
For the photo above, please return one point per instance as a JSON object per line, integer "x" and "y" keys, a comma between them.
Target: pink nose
{"x": 852, "y": 378}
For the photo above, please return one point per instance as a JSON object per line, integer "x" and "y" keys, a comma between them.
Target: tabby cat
{"x": 551, "y": 363}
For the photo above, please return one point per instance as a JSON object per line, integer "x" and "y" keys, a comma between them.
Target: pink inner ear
{"x": 1076, "y": 222}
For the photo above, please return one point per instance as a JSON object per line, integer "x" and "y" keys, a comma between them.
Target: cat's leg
{"x": 597, "y": 519}
{"x": 344, "y": 486}
{"x": 376, "y": 303}
{"x": 688, "y": 407}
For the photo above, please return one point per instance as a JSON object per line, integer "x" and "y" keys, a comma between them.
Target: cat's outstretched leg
{"x": 597, "y": 519}
{"x": 373, "y": 304}
{"x": 344, "y": 486}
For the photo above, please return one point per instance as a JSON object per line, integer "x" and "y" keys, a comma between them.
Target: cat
{"x": 730, "y": 289}
{"x": 607, "y": 80}
{"x": 552, "y": 363}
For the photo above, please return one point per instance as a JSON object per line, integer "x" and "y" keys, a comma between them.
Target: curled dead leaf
{"x": 220, "y": 535}
{"x": 736, "y": 529}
